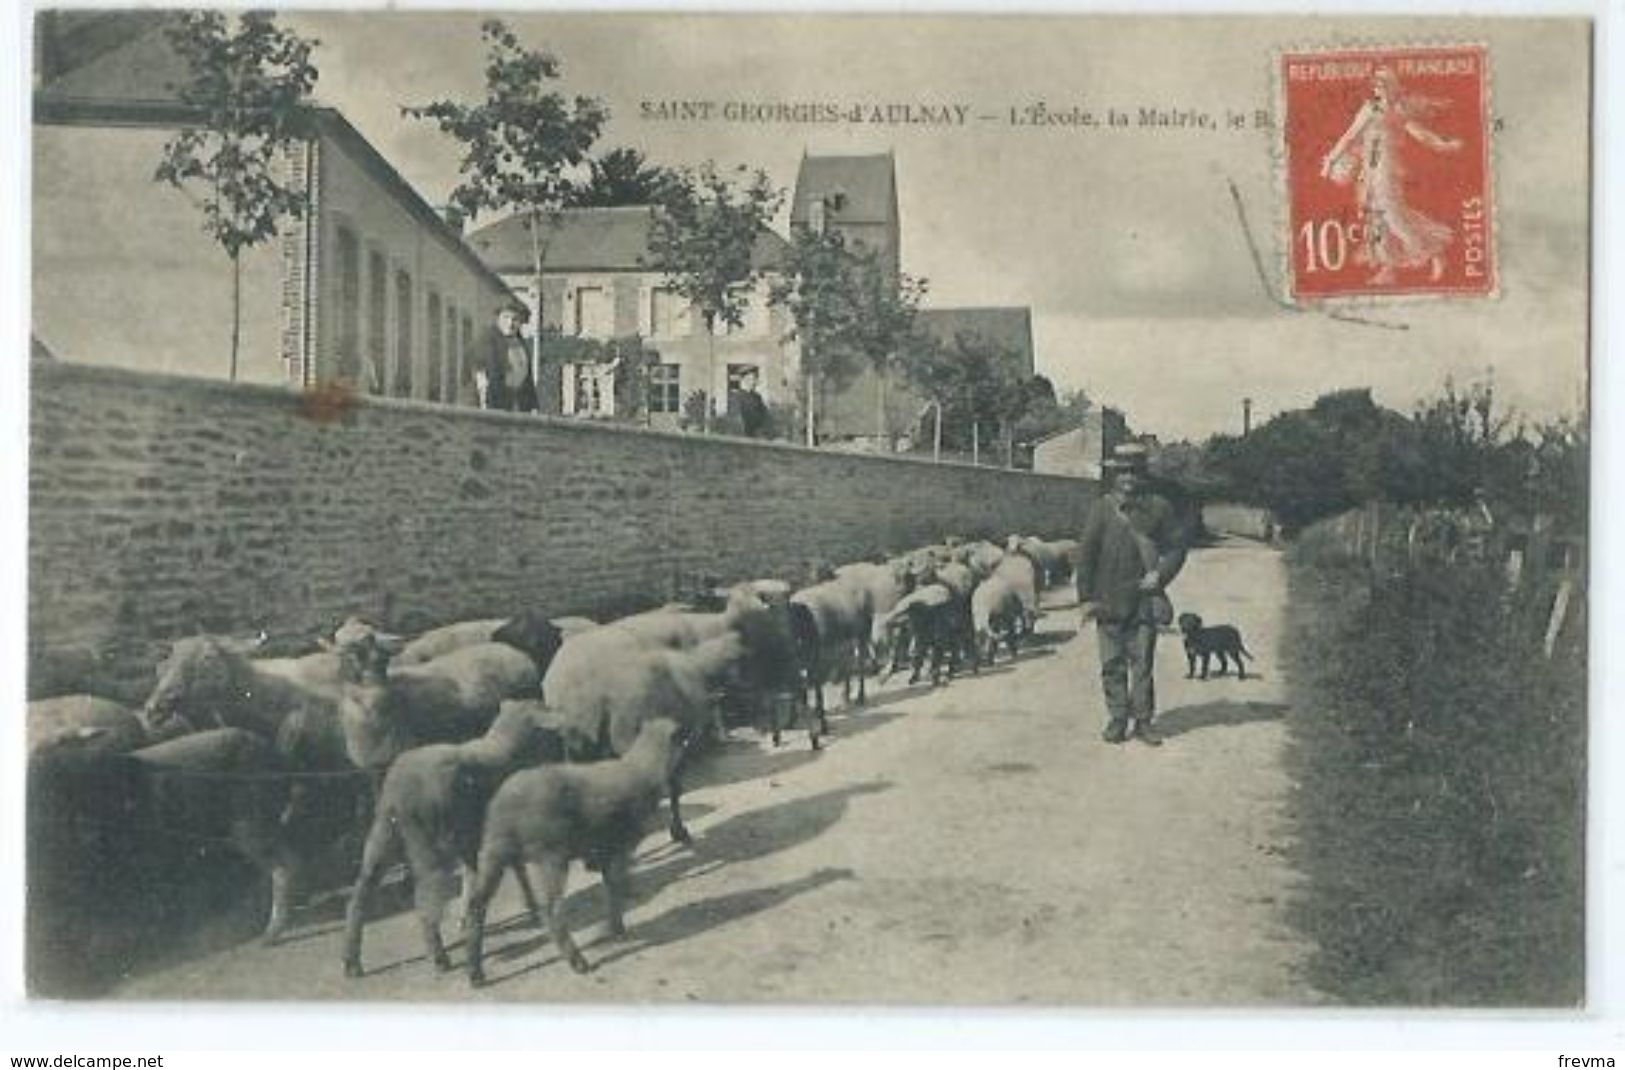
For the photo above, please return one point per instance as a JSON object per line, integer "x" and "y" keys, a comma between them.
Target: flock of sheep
{"x": 494, "y": 745}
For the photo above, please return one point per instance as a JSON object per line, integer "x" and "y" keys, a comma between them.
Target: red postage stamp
{"x": 1387, "y": 172}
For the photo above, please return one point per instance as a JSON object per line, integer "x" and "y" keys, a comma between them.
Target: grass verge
{"x": 1439, "y": 759}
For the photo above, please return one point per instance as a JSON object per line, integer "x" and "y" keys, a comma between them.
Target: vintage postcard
{"x": 806, "y": 508}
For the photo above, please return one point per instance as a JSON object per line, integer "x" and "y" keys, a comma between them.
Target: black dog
{"x": 1221, "y": 639}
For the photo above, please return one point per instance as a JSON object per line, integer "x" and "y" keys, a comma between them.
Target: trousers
{"x": 1127, "y": 659}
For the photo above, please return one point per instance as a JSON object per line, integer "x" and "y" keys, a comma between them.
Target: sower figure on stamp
{"x": 1132, "y": 547}
{"x": 502, "y": 364}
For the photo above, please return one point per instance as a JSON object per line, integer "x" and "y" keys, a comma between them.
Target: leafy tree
{"x": 523, "y": 145}
{"x": 1294, "y": 465}
{"x": 880, "y": 317}
{"x": 815, "y": 288}
{"x": 248, "y": 84}
{"x": 1048, "y": 414}
{"x": 972, "y": 381}
{"x": 623, "y": 177}
{"x": 704, "y": 240}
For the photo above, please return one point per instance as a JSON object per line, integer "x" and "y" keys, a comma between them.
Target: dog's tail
{"x": 1243, "y": 648}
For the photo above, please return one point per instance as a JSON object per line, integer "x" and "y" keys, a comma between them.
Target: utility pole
{"x": 1246, "y": 416}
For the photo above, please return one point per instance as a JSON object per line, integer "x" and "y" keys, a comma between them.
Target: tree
{"x": 972, "y": 381}
{"x": 248, "y": 86}
{"x": 704, "y": 241}
{"x": 523, "y": 145}
{"x": 623, "y": 177}
{"x": 815, "y": 289}
{"x": 880, "y": 316}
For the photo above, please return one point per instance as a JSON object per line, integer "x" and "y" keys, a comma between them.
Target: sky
{"x": 1126, "y": 244}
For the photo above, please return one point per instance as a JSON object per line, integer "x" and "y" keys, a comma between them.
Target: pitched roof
{"x": 119, "y": 69}
{"x": 867, "y": 186}
{"x": 1010, "y": 328}
{"x": 590, "y": 239}
{"x": 106, "y": 55}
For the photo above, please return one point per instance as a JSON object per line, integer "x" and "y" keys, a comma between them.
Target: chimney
{"x": 453, "y": 216}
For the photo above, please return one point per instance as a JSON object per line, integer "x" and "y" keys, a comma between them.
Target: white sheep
{"x": 605, "y": 684}
{"x": 550, "y": 816}
{"x": 432, "y": 808}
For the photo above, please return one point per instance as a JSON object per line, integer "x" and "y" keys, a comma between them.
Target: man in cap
{"x": 501, "y": 362}
{"x": 1132, "y": 547}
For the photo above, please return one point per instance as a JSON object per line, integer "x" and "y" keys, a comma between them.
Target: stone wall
{"x": 161, "y": 505}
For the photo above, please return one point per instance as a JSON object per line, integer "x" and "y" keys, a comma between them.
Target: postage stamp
{"x": 1387, "y": 172}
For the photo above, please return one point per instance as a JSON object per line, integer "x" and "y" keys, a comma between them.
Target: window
{"x": 665, "y": 388}
{"x": 348, "y": 252}
{"x": 595, "y": 315}
{"x": 377, "y": 311}
{"x": 454, "y": 353}
{"x": 589, "y": 389}
{"x": 403, "y": 335}
{"x": 748, "y": 317}
{"x": 668, "y": 314}
{"x": 433, "y": 378}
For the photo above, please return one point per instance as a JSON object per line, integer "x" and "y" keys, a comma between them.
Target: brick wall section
{"x": 159, "y": 505}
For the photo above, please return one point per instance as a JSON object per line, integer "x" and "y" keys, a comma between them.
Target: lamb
{"x": 550, "y": 816}
{"x": 605, "y": 684}
{"x": 432, "y": 807}
{"x": 995, "y": 609}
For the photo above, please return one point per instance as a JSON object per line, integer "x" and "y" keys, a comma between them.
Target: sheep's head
{"x": 364, "y": 658}
{"x": 533, "y": 634}
{"x": 202, "y": 677}
{"x": 744, "y": 605}
{"x": 352, "y": 630}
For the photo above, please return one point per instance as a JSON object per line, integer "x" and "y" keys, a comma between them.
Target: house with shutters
{"x": 598, "y": 283}
{"x": 369, "y": 286}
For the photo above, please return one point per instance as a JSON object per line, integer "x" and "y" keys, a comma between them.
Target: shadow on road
{"x": 1182, "y": 719}
{"x": 749, "y": 759}
{"x": 676, "y": 924}
{"x": 690, "y": 919}
{"x": 742, "y": 838}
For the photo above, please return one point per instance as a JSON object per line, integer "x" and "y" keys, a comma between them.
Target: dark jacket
{"x": 753, "y": 414}
{"x": 489, "y": 354}
{"x": 1112, "y": 560}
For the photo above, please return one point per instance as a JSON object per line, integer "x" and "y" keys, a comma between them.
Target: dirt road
{"x": 973, "y": 844}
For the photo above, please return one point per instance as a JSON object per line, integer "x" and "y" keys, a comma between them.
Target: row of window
{"x": 450, "y": 329}
{"x": 591, "y": 311}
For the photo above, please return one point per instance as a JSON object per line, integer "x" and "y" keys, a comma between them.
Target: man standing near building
{"x": 501, "y": 362}
{"x": 1133, "y": 545}
{"x": 753, "y": 414}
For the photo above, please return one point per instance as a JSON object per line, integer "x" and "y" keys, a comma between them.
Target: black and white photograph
{"x": 785, "y": 509}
